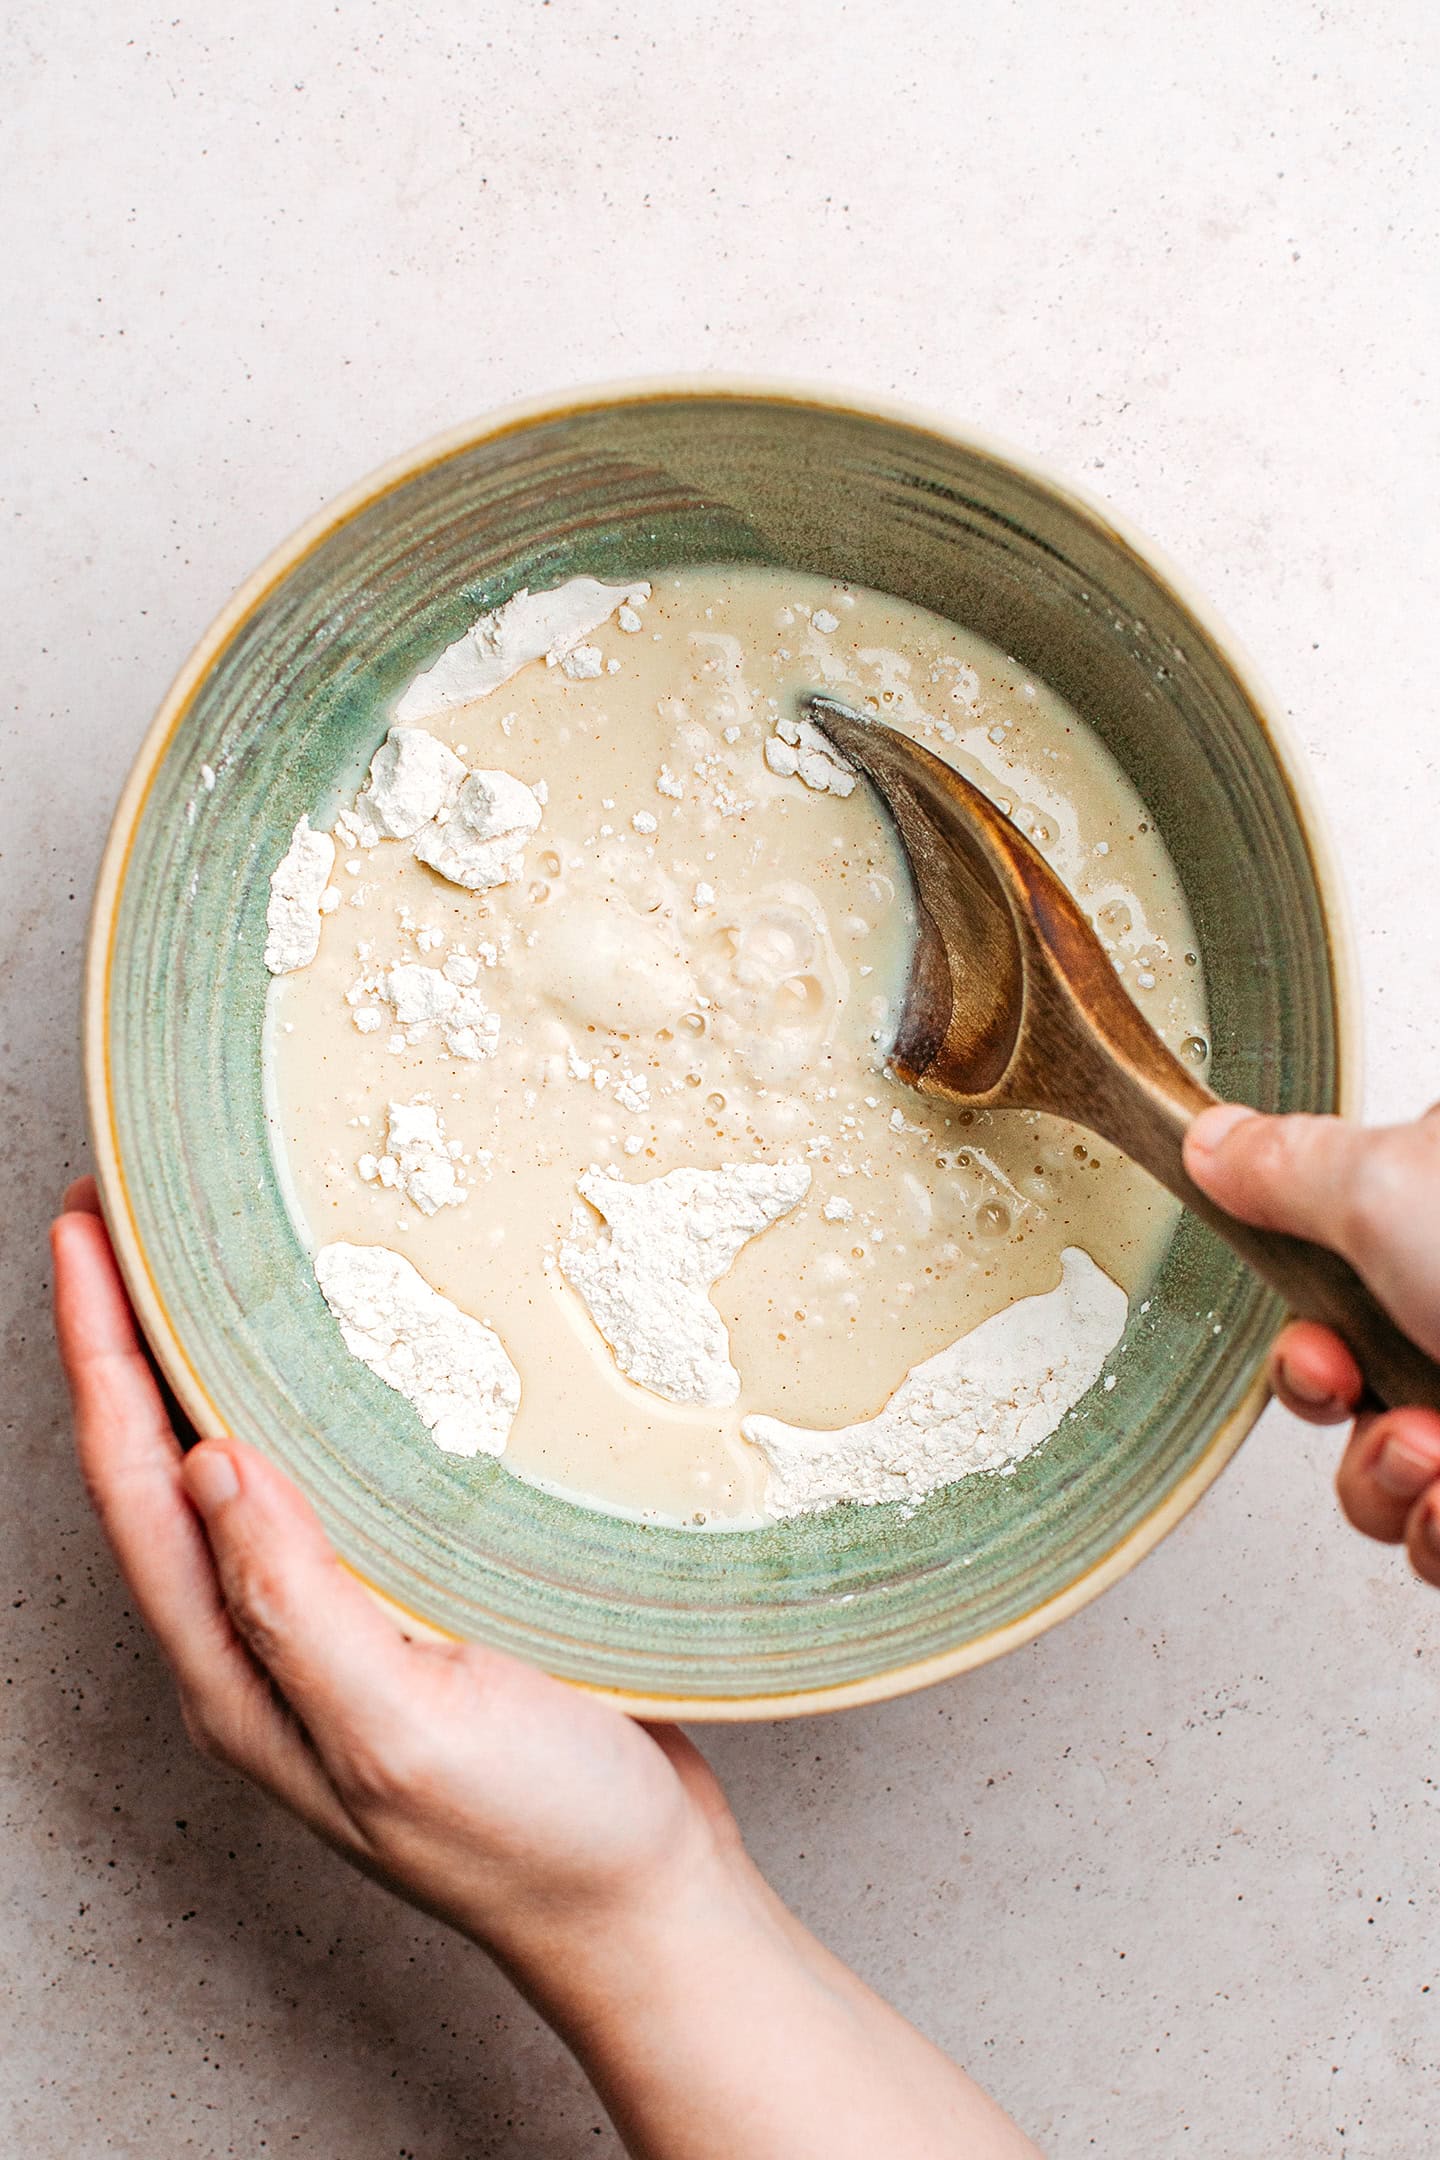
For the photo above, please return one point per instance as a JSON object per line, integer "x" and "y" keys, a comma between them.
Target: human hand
{"x": 1374, "y": 1196}
{"x": 593, "y": 1856}
{"x": 533, "y": 1817}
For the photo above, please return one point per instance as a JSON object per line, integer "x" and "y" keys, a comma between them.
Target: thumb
{"x": 343, "y": 1667}
{"x": 1291, "y": 1173}
{"x": 1373, "y": 1197}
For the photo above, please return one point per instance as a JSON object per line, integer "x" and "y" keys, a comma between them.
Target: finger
{"x": 1371, "y": 1196}
{"x": 343, "y": 1666}
{"x": 127, "y": 1450}
{"x": 1315, "y": 1374}
{"x": 1280, "y": 1173}
{"x": 1392, "y": 1457}
{"x": 131, "y": 1466}
{"x": 82, "y": 1197}
{"x": 1422, "y": 1536}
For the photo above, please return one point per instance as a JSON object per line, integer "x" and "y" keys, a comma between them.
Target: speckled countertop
{"x": 1165, "y": 1880}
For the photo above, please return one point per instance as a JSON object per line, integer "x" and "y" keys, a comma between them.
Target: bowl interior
{"x": 287, "y": 716}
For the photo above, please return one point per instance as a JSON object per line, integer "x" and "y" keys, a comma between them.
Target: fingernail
{"x": 1214, "y": 1126}
{"x": 1403, "y": 1471}
{"x": 210, "y": 1478}
{"x": 1315, "y": 1398}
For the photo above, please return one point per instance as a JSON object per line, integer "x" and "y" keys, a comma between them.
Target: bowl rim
{"x": 161, "y": 1332}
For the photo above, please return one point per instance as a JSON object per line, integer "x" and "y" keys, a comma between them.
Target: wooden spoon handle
{"x": 1148, "y": 1115}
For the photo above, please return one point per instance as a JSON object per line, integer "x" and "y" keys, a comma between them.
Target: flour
{"x": 531, "y": 626}
{"x": 481, "y": 842}
{"x": 417, "y": 1159}
{"x": 413, "y": 780}
{"x": 420, "y": 995}
{"x": 647, "y": 1276}
{"x": 454, "y": 1370}
{"x": 582, "y": 663}
{"x": 473, "y": 1031}
{"x": 356, "y": 832}
{"x": 298, "y": 885}
{"x": 632, "y": 1089}
{"x": 798, "y": 747}
{"x": 983, "y": 1404}
{"x": 425, "y": 997}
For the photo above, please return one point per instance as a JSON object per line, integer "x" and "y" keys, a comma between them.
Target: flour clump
{"x": 798, "y": 748}
{"x": 583, "y": 663}
{"x": 531, "y": 626}
{"x": 481, "y": 842}
{"x": 425, "y": 997}
{"x": 450, "y": 1367}
{"x": 982, "y": 1404}
{"x": 414, "y": 778}
{"x": 298, "y": 886}
{"x": 647, "y": 1276}
{"x": 417, "y": 1159}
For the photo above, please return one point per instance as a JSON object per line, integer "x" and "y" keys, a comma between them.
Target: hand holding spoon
{"x": 1012, "y": 1002}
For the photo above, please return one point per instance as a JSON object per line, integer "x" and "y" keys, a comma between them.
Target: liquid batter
{"x": 699, "y": 964}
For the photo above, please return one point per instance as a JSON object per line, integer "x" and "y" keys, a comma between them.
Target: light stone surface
{"x": 1165, "y": 1880}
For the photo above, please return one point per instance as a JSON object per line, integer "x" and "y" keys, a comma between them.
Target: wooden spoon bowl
{"x": 1013, "y": 1002}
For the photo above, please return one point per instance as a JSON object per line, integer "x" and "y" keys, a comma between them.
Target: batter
{"x": 653, "y": 931}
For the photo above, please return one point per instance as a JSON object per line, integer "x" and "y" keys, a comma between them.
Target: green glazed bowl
{"x": 285, "y": 701}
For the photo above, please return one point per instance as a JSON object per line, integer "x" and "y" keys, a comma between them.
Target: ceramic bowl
{"x": 283, "y": 704}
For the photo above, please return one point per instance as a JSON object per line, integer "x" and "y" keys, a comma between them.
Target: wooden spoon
{"x": 1013, "y": 1003}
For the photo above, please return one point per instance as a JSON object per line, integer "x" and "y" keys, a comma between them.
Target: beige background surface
{"x": 1166, "y": 1879}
